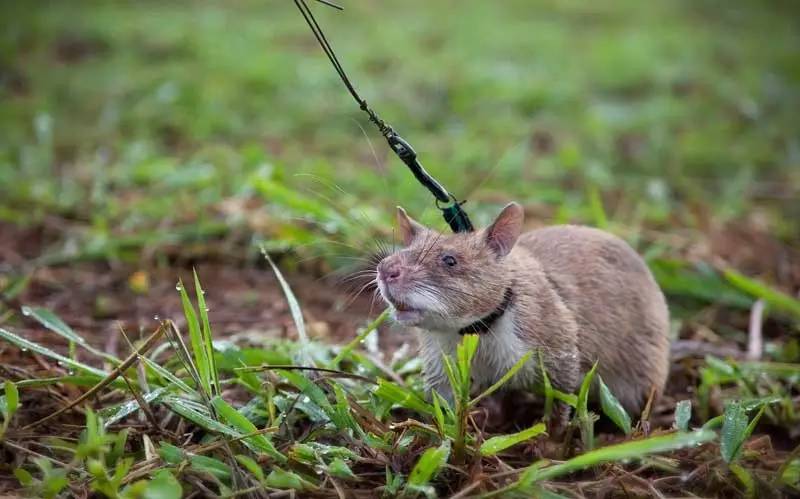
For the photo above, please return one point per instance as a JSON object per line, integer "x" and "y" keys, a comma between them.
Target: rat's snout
{"x": 390, "y": 270}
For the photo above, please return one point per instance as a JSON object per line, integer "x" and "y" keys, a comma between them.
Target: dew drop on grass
{"x": 24, "y": 349}
{"x": 178, "y": 287}
{"x": 26, "y": 311}
{"x": 156, "y": 318}
{"x": 207, "y": 309}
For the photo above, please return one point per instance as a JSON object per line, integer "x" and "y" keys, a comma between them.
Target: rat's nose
{"x": 390, "y": 271}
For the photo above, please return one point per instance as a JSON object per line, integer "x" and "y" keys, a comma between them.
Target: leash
{"x": 450, "y": 206}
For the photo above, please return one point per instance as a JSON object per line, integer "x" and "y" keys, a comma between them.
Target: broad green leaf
{"x": 245, "y": 426}
{"x": 24, "y": 344}
{"x": 163, "y": 485}
{"x": 683, "y": 413}
{"x": 613, "y": 409}
{"x": 429, "y": 464}
{"x": 402, "y": 396}
{"x": 503, "y": 442}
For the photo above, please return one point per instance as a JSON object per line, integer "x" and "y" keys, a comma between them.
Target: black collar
{"x": 483, "y": 325}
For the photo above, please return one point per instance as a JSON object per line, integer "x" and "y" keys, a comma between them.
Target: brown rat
{"x": 579, "y": 294}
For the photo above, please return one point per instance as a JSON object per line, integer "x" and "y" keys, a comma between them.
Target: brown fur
{"x": 580, "y": 295}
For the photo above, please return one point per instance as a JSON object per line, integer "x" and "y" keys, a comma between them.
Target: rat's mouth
{"x": 405, "y": 313}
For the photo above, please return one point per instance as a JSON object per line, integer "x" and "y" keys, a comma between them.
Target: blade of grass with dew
{"x": 206, "y": 332}
{"x": 199, "y": 350}
{"x": 755, "y": 288}
{"x": 503, "y": 442}
{"x": 294, "y": 308}
{"x": 25, "y": 345}
{"x": 115, "y": 413}
{"x": 736, "y": 429}
{"x": 683, "y": 413}
{"x": 245, "y": 426}
{"x": 167, "y": 375}
{"x": 54, "y": 323}
{"x": 315, "y": 393}
{"x": 75, "y": 380}
{"x": 612, "y": 408}
{"x": 198, "y": 415}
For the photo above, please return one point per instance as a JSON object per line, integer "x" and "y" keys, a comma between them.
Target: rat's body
{"x": 578, "y": 294}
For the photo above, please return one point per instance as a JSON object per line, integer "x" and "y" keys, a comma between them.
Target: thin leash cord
{"x": 453, "y": 214}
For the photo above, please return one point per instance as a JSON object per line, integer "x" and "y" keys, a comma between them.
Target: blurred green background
{"x": 136, "y": 125}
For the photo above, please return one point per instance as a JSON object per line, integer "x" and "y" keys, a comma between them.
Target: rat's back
{"x": 621, "y": 312}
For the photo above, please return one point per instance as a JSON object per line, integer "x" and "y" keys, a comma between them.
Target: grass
{"x": 145, "y": 136}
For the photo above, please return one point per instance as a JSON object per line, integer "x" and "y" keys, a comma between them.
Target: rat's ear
{"x": 504, "y": 231}
{"x": 409, "y": 228}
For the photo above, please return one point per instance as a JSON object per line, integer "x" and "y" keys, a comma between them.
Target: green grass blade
{"x": 683, "y": 413}
{"x": 503, "y": 442}
{"x": 167, "y": 374}
{"x": 758, "y": 289}
{"x": 345, "y": 351}
{"x": 198, "y": 415}
{"x": 199, "y": 351}
{"x": 206, "y": 332}
{"x": 613, "y": 409}
{"x": 504, "y": 379}
{"x": 402, "y": 396}
{"x": 628, "y": 450}
{"x": 245, "y": 426}
{"x": 115, "y": 413}
{"x": 297, "y": 313}
{"x": 429, "y": 464}
{"x": 548, "y": 387}
{"x": 24, "y": 344}
{"x": 54, "y": 323}
{"x": 733, "y": 428}
{"x": 11, "y": 396}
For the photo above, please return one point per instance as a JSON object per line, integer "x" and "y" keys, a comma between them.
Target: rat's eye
{"x": 449, "y": 260}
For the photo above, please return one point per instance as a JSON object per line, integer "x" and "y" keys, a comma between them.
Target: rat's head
{"x": 449, "y": 280}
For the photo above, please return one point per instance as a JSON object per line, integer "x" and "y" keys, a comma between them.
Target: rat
{"x": 578, "y": 294}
